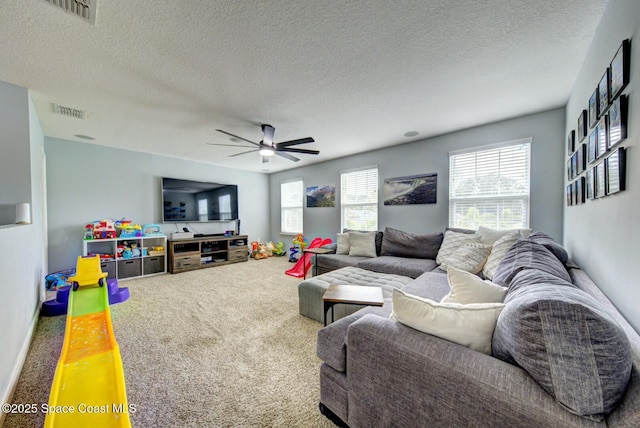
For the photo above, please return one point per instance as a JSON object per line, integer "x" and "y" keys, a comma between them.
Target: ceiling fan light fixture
{"x": 267, "y": 151}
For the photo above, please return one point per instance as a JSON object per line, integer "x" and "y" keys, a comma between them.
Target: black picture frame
{"x": 617, "y": 121}
{"x": 603, "y": 93}
{"x": 569, "y": 171}
{"x": 602, "y": 137}
{"x": 619, "y": 69}
{"x": 590, "y": 184}
{"x": 600, "y": 180}
{"x": 580, "y": 158}
{"x": 592, "y": 146}
{"x": 593, "y": 109}
{"x": 571, "y": 142}
{"x": 582, "y": 125}
{"x": 569, "y": 195}
{"x": 580, "y": 191}
{"x": 616, "y": 171}
{"x": 574, "y": 165}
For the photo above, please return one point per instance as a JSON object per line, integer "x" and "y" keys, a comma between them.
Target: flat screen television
{"x": 192, "y": 201}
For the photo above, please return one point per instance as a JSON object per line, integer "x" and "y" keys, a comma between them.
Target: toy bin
{"x": 129, "y": 268}
{"x": 153, "y": 265}
{"x": 109, "y": 267}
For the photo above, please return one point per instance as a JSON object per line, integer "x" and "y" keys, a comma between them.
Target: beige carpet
{"x": 217, "y": 347}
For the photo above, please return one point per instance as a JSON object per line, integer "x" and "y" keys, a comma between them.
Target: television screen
{"x": 190, "y": 201}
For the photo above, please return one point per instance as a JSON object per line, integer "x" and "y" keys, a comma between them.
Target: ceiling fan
{"x": 268, "y": 148}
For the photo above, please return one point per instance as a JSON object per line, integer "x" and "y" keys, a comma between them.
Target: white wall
{"x": 87, "y": 182}
{"x": 22, "y": 261}
{"x": 432, "y": 155}
{"x": 602, "y": 235}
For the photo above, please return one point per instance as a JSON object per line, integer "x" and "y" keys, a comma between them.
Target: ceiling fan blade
{"x": 243, "y": 153}
{"x": 238, "y": 137}
{"x": 309, "y": 152}
{"x": 295, "y": 142}
{"x": 229, "y": 145}
{"x": 287, "y": 156}
{"x": 268, "y": 131}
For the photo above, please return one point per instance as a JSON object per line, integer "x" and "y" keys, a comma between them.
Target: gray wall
{"x": 87, "y": 182}
{"x": 432, "y": 155}
{"x": 602, "y": 236}
{"x": 22, "y": 247}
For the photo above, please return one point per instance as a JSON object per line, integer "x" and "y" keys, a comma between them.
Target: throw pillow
{"x": 469, "y": 257}
{"x": 378, "y": 238}
{"x": 402, "y": 244}
{"x": 452, "y": 241}
{"x": 467, "y": 325}
{"x": 569, "y": 344}
{"x": 343, "y": 243}
{"x": 362, "y": 244}
{"x": 498, "y": 251}
{"x": 468, "y": 288}
{"x": 490, "y": 236}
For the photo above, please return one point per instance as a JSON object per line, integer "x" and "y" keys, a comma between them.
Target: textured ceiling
{"x": 160, "y": 76}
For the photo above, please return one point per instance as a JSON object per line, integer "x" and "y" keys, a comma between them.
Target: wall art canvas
{"x": 600, "y": 180}
{"x": 616, "y": 171}
{"x": 603, "y": 93}
{"x": 582, "y": 125}
{"x": 321, "y": 196}
{"x": 602, "y": 136}
{"x": 571, "y": 142}
{"x": 593, "y": 108}
{"x": 410, "y": 190}
{"x": 617, "y": 121}
{"x": 620, "y": 69}
{"x": 592, "y": 146}
{"x": 591, "y": 187}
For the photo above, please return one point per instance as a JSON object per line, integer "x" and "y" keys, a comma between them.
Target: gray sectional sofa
{"x": 562, "y": 355}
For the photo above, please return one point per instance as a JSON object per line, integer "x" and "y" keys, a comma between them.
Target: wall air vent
{"x": 85, "y": 9}
{"x": 69, "y": 112}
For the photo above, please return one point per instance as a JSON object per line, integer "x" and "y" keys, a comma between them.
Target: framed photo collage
{"x": 596, "y": 164}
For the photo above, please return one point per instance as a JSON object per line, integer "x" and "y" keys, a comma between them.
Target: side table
{"x": 351, "y": 294}
{"x": 315, "y": 251}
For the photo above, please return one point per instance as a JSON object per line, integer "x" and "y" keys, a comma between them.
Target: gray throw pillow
{"x": 362, "y": 244}
{"x": 378, "y": 238}
{"x": 403, "y": 244}
{"x": 568, "y": 344}
{"x": 523, "y": 255}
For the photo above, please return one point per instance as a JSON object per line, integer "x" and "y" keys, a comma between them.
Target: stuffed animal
{"x": 261, "y": 252}
{"x": 269, "y": 249}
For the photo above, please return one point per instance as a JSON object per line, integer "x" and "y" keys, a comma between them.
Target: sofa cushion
{"x": 469, "y": 288}
{"x": 567, "y": 343}
{"x": 498, "y": 251}
{"x": 431, "y": 285}
{"x": 452, "y": 241}
{"x": 551, "y": 245}
{"x": 362, "y": 244}
{"x": 469, "y": 257}
{"x": 335, "y": 261}
{"x": 398, "y": 265}
{"x": 525, "y": 254}
{"x": 468, "y": 325}
{"x": 402, "y": 244}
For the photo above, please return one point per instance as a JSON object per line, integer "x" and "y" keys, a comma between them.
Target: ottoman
{"x": 310, "y": 291}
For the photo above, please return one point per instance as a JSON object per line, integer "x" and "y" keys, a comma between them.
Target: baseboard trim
{"x": 7, "y": 394}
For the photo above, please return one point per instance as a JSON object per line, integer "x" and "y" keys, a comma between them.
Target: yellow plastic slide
{"x": 88, "y": 387}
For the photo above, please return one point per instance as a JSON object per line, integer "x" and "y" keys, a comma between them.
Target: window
{"x": 359, "y": 199}
{"x": 489, "y": 186}
{"x": 291, "y": 199}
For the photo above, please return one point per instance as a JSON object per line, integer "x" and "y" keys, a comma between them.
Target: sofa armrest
{"x": 399, "y": 376}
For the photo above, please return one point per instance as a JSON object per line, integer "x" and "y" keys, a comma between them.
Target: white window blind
{"x": 490, "y": 186}
{"x": 291, "y": 202}
{"x": 359, "y": 199}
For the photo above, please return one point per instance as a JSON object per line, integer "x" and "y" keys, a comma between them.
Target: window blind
{"x": 359, "y": 199}
{"x": 291, "y": 204}
{"x": 490, "y": 186}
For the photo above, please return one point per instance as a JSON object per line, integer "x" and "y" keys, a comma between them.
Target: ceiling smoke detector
{"x": 69, "y": 111}
{"x": 85, "y": 9}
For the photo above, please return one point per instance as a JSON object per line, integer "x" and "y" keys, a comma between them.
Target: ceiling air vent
{"x": 85, "y": 9}
{"x": 68, "y": 111}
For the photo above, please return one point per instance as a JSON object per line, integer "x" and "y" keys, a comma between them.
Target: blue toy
{"x": 151, "y": 230}
{"x": 292, "y": 255}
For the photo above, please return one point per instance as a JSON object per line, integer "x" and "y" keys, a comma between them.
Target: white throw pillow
{"x": 498, "y": 252}
{"x": 468, "y": 288}
{"x": 343, "y": 243}
{"x": 490, "y": 236}
{"x": 362, "y": 244}
{"x": 469, "y": 257}
{"x": 452, "y": 241}
{"x": 468, "y": 325}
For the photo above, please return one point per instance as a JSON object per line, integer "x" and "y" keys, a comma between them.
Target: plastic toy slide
{"x": 303, "y": 265}
{"x": 88, "y": 387}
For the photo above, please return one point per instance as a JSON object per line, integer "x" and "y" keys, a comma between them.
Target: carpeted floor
{"x": 216, "y": 347}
